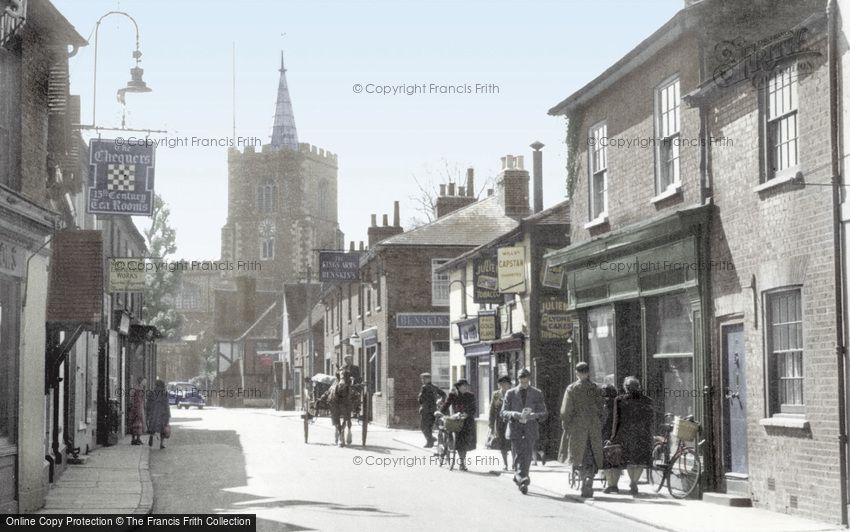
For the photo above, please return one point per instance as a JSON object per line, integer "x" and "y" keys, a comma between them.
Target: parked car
{"x": 184, "y": 395}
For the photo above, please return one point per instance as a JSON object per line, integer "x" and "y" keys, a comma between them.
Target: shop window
{"x": 9, "y": 305}
{"x": 785, "y": 351}
{"x": 601, "y": 348}
{"x": 670, "y": 343}
{"x": 440, "y": 369}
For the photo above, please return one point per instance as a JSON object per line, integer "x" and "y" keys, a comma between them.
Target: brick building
{"x": 702, "y": 254}
{"x": 395, "y": 321}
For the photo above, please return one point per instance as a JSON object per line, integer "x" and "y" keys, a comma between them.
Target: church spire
{"x": 284, "y": 134}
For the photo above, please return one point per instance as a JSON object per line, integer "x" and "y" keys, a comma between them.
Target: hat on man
{"x": 461, "y": 382}
{"x": 524, "y": 372}
{"x": 426, "y": 374}
{"x": 582, "y": 367}
{"x": 505, "y": 378}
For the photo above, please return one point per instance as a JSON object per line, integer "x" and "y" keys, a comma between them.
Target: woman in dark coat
{"x": 609, "y": 394}
{"x": 498, "y": 426}
{"x": 158, "y": 413}
{"x": 461, "y": 400}
{"x": 633, "y": 430}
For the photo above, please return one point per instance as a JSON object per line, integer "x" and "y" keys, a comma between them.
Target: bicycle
{"x": 681, "y": 471}
{"x": 447, "y": 427}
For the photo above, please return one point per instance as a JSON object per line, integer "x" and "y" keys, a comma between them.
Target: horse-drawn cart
{"x": 341, "y": 400}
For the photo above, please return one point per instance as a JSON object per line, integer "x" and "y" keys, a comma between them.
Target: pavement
{"x": 114, "y": 480}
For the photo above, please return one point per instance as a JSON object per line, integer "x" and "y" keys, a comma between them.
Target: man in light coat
{"x": 581, "y": 418}
{"x": 523, "y": 408}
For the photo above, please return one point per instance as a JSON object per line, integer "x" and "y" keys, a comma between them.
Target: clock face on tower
{"x": 267, "y": 229}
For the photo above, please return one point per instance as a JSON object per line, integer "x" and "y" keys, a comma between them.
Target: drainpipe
{"x": 838, "y": 236}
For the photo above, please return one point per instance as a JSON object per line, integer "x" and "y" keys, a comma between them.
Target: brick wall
{"x": 764, "y": 235}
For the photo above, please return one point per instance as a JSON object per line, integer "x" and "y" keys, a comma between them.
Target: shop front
{"x": 638, "y": 297}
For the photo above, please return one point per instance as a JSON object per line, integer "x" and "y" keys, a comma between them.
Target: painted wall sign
{"x": 430, "y": 320}
{"x": 511, "y": 270}
{"x": 337, "y": 266}
{"x": 121, "y": 178}
{"x": 485, "y": 281}
{"x": 554, "y": 320}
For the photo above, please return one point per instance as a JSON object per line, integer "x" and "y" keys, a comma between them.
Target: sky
{"x": 536, "y": 52}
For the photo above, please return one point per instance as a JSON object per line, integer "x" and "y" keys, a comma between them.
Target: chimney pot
{"x": 489, "y": 192}
{"x": 351, "y": 246}
{"x": 385, "y": 221}
{"x": 396, "y": 215}
{"x": 442, "y": 190}
{"x": 470, "y": 180}
{"x": 520, "y": 162}
{"x": 461, "y": 191}
{"x": 374, "y": 220}
{"x": 504, "y": 163}
{"x": 451, "y": 189}
{"x": 537, "y": 171}
{"x": 361, "y": 244}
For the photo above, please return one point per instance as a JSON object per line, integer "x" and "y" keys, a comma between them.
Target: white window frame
{"x": 437, "y": 369}
{"x": 771, "y": 372}
{"x": 668, "y": 129}
{"x": 781, "y": 123}
{"x": 440, "y": 283}
{"x": 597, "y": 157}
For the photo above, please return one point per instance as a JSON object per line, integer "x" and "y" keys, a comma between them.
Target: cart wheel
{"x": 364, "y": 416}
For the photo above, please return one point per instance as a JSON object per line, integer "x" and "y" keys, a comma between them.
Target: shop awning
{"x": 477, "y": 350}
{"x": 508, "y": 344}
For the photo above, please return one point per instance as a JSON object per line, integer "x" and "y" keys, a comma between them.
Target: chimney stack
{"x": 378, "y": 233}
{"x": 470, "y": 182}
{"x": 396, "y": 216}
{"x": 374, "y": 220}
{"x": 512, "y": 184}
{"x": 537, "y": 169}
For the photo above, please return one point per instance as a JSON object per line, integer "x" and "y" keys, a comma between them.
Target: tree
{"x": 425, "y": 199}
{"x": 161, "y": 283}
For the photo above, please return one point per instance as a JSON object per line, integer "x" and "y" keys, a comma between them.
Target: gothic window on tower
{"x": 267, "y": 235}
{"x": 267, "y": 197}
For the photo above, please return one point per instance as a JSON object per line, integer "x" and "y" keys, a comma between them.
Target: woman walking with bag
{"x": 632, "y": 430}
{"x": 497, "y": 439}
{"x": 159, "y": 414}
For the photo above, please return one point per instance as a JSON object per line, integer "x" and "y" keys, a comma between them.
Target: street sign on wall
{"x": 121, "y": 178}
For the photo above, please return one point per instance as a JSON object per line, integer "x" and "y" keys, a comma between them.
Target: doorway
{"x": 735, "y": 398}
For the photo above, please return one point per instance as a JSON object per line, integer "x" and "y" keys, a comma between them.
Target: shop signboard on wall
{"x": 485, "y": 281}
{"x": 487, "y": 326}
{"x": 553, "y": 276}
{"x": 554, "y": 319}
{"x": 339, "y": 266}
{"x": 121, "y": 177}
{"x": 468, "y": 331}
{"x": 511, "y": 270}
{"x": 126, "y": 275}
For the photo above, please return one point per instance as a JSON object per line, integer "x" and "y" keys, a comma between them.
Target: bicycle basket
{"x": 685, "y": 430}
{"x": 453, "y": 424}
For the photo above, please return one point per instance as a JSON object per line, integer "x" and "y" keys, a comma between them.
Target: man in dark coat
{"x": 428, "y": 396}
{"x": 523, "y": 409}
{"x": 633, "y": 430}
{"x": 581, "y": 419}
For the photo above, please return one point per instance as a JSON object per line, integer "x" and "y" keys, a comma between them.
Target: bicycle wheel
{"x": 452, "y": 451}
{"x": 655, "y": 471}
{"x": 684, "y": 473}
{"x": 442, "y": 450}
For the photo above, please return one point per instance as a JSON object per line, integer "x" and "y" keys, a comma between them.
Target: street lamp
{"x": 136, "y": 83}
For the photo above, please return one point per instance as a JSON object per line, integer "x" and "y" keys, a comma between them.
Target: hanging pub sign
{"x": 487, "y": 328}
{"x": 485, "y": 281}
{"x": 121, "y": 178}
{"x": 554, "y": 320}
{"x": 511, "y": 270}
{"x": 339, "y": 266}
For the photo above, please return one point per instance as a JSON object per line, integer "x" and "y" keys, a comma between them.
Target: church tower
{"x": 281, "y": 202}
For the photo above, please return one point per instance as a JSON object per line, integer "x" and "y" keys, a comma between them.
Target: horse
{"x": 341, "y": 400}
